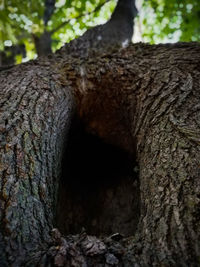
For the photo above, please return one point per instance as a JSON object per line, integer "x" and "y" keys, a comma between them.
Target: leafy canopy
{"x": 20, "y": 20}
{"x": 171, "y": 20}
{"x": 159, "y": 21}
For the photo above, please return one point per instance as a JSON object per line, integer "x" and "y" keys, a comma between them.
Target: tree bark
{"x": 143, "y": 99}
{"x": 43, "y": 43}
{"x": 35, "y": 117}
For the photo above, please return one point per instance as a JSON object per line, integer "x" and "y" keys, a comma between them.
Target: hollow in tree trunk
{"x": 141, "y": 105}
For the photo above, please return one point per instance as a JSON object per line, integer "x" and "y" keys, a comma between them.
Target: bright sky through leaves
{"x": 158, "y": 21}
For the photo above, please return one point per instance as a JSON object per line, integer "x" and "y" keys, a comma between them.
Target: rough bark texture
{"x": 35, "y": 112}
{"x": 144, "y": 100}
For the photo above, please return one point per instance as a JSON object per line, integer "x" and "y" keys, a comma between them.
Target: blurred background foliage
{"x": 26, "y": 25}
{"x": 170, "y": 20}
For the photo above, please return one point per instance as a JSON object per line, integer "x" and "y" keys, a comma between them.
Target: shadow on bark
{"x": 99, "y": 190}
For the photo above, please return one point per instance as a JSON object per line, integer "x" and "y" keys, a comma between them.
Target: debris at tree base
{"x": 82, "y": 250}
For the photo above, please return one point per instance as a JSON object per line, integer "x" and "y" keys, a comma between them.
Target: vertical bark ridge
{"x": 169, "y": 179}
{"x": 33, "y": 135}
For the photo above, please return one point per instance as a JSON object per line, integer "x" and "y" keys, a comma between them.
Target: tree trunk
{"x": 143, "y": 100}
{"x": 35, "y": 117}
{"x": 43, "y": 43}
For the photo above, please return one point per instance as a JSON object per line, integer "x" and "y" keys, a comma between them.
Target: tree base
{"x": 84, "y": 250}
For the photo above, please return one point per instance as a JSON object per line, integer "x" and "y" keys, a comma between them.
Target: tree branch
{"x": 78, "y": 17}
